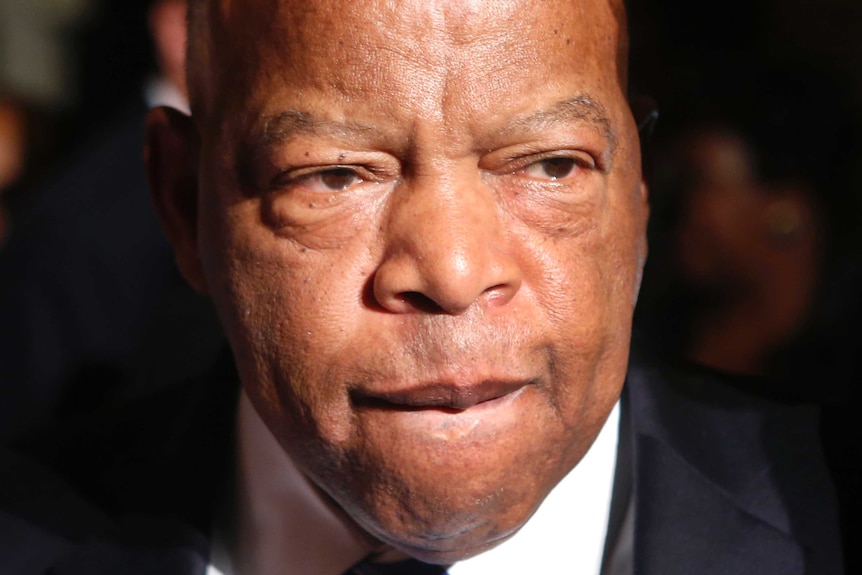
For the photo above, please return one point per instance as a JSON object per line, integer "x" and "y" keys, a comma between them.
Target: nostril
{"x": 378, "y": 297}
{"x": 420, "y": 302}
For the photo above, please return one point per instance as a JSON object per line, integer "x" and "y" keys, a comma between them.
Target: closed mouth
{"x": 442, "y": 396}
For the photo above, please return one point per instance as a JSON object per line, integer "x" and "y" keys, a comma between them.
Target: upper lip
{"x": 441, "y": 395}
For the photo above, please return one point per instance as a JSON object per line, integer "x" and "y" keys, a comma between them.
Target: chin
{"x": 457, "y": 549}
{"x": 456, "y": 512}
{"x": 449, "y": 537}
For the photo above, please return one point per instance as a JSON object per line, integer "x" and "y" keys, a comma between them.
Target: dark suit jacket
{"x": 724, "y": 484}
{"x": 79, "y": 275}
{"x": 88, "y": 285}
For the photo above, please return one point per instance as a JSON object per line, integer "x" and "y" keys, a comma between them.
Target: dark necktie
{"x": 406, "y": 567}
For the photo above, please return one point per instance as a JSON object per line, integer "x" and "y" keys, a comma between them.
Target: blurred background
{"x": 755, "y": 169}
{"x": 67, "y": 67}
{"x": 92, "y": 309}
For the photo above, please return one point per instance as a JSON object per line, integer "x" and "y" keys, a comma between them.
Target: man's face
{"x": 422, "y": 224}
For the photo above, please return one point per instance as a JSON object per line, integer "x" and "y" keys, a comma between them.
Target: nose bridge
{"x": 450, "y": 225}
{"x": 445, "y": 244}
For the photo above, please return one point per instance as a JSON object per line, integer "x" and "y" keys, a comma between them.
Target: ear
{"x": 646, "y": 114}
{"x": 170, "y": 154}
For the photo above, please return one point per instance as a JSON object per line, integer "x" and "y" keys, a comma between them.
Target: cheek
{"x": 584, "y": 286}
{"x": 288, "y": 311}
{"x": 577, "y": 281}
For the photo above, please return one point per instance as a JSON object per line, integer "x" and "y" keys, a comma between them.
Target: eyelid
{"x": 281, "y": 164}
{"x": 582, "y": 159}
{"x": 296, "y": 175}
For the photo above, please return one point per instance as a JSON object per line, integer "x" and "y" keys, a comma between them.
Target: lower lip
{"x": 450, "y": 424}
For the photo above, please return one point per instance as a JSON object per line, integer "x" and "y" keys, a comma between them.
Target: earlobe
{"x": 170, "y": 157}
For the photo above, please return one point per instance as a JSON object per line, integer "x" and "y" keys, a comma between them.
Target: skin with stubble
{"x": 422, "y": 225}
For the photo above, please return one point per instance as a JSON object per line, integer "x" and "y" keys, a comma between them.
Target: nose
{"x": 446, "y": 250}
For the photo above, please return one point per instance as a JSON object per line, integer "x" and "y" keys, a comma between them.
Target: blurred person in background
{"x": 90, "y": 292}
{"x": 755, "y": 268}
{"x": 755, "y": 204}
{"x": 167, "y": 25}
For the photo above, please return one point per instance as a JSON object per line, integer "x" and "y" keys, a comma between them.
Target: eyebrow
{"x": 277, "y": 128}
{"x": 581, "y": 108}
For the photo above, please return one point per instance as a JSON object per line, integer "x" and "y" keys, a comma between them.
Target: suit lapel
{"x": 710, "y": 495}
{"x": 684, "y": 523}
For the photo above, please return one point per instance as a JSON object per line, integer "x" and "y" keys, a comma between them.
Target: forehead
{"x": 437, "y": 47}
{"x": 461, "y": 19}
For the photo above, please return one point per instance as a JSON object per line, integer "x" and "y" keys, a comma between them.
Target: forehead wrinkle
{"x": 447, "y": 30}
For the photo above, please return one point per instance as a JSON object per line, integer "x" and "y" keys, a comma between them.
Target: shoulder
{"x": 690, "y": 405}
{"x": 738, "y": 472}
{"x": 141, "y": 478}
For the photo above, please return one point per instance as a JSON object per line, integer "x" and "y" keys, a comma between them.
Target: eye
{"x": 339, "y": 178}
{"x": 328, "y": 180}
{"x": 552, "y": 169}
